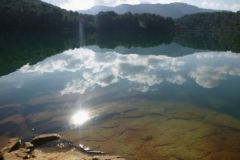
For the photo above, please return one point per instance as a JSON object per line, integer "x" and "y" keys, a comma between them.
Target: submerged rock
{"x": 89, "y": 151}
{"x": 72, "y": 155}
{"x": 45, "y": 138}
{"x": 12, "y": 145}
{"x": 1, "y": 155}
{"x": 147, "y": 138}
{"x": 23, "y": 153}
{"x": 28, "y": 145}
{"x": 15, "y": 151}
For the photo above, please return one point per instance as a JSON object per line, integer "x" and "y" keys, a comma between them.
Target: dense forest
{"x": 213, "y": 22}
{"x": 38, "y": 15}
{"x": 34, "y": 15}
{"x": 108, "y": 21}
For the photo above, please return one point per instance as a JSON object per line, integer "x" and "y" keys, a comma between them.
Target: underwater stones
{"x": 147, "y": 138}
{"x": 23, "y": 153}
{"x": 184, "y": 132}
{"x": 28, "y": 145}
{"x": 1, "y": 155}
{"x": 108, "y": 158}
{"x": 15, "y": 150}
{"x": 88, "y": 150}
{"x": 12, "y": 145}
{"x": 45, "y": 138}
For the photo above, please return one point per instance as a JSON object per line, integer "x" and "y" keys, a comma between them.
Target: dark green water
{"x": 48, "y": 79}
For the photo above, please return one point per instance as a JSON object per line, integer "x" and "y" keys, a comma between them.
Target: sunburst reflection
{"x": 80, "y": 118}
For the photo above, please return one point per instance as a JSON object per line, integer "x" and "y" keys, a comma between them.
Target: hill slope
{"x": 214, "y": 22}
{"x": 173, "y": 10}
{"x": 28, "y": 14}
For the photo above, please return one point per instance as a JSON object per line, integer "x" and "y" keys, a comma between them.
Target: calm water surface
{"x": 143, "y": 96}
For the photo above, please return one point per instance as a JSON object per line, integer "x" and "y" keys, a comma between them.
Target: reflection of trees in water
{"x": 18, "y": 49}
{"x": 197, "y": 40}
{"x": 210, "y": 41}
{"x": 22, "y": 48}
{"x": 128, "y": 39}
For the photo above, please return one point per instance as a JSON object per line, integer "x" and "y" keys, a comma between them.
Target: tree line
{"x": 38, "y": 15}
{"x": 34, "y": 15}
{"x": 108, "y": 21}
{"x": 210, "y": 22}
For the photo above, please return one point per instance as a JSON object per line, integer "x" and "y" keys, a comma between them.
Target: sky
{"x": 232, "y": 5}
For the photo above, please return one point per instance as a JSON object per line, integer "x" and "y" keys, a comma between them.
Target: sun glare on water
{"x": 80, "y": 118}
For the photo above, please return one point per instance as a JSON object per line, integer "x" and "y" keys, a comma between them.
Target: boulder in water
{"x": 44, "y": 138}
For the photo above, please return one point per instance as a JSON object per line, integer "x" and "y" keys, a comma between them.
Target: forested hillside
{"x": 214, "y": 22}
{"x": 128, "y": 21}
{"x": 38, "y": 15}
{"x": 35, "y": 14}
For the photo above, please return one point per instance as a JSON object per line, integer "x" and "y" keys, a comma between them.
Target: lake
{"x": 139, "y": 95}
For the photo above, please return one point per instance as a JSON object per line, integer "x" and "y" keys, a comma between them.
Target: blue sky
{"x": 233, "y": 5}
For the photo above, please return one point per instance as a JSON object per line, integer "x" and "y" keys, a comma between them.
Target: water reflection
{"x": 210, "y": 41}
{"x": 147, "y": 99}
{"x": 86, "y": 69}
{"x": 95, "y": 75}
{"x": 18, "y": 49}
{"x": 80, "y": 117}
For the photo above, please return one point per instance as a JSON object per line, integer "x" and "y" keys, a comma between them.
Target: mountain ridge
{"x": 173, "y": 10}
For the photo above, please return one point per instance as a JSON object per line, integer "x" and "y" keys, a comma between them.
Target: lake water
{"x": 140, "y": 95}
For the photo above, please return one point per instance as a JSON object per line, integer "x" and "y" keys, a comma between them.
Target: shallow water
{"x": 159, "y": 100}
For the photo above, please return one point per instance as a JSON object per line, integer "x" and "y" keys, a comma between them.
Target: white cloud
{"x": 82, "y": 5}
{"x": 213, "y": 55}
{"x": 89, "y": 81}
{"x": 214, "y": 68}
{"x": 56, "y": 2}
{"x": 232, "y": 5}
{"x": 221, "y": 6}
{"x": 176, "y": 79}
{"x": 210, "y": 77}
{"x": 103, "y": 69}
{"x": 84, "y": 70}
{"x": 77, "y": 5}
{"x": 49, "y": 67}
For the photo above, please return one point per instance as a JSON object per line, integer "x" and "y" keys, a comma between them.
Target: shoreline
{"x": 50, "y": 146}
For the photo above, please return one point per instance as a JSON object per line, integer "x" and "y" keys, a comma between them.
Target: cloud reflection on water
{"x": 210, "y": 77}
{"x": 85, "y": 69}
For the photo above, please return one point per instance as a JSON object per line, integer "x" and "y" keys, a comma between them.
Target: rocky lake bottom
{"x": 165, "y": 131}
{"x": 156, "y": 130}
